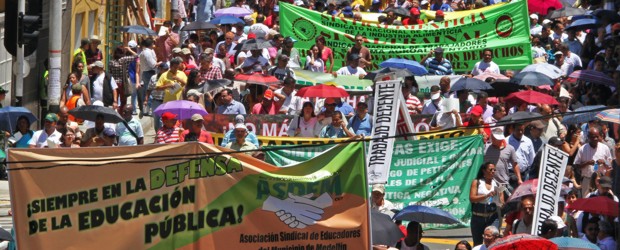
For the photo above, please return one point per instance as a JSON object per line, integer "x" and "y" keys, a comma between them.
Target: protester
{"x": 414, "y": 236}
{"x": 481, "y": 194}
{"x": 286, "y": 98}
{"x": 590, "y": 155}
{"x": 524, "y": 150}
{"x": 229, "y": 106}
{"x": 155, "y": 96}
{"x": 378, "y": 201}
{"x": 591, "y": 230}
{"x": 164, "y": 44}
{"x": 414, "y": 106}
{"x": 362, "y": 52}
{"x": 266, "y": 106}
{"x": 314, "y": 61}
{"x": 281, "y": 70}
{"x": 326, "y": 53}
{"x": 305, "y": 124}
{"x": 486, "y": 65}
{"x": 170, "y": 132}
{"x": 433, "y": 106}
{"x": 524, "y": 225}
{"x": 172, "y": 81}
{"x": 352, "y": 68}
{"x": 22, "y": 133}
{"x": 337, "y": 128}
{"x": 437, "y": 65}
{"x": 291, "y": 52}
{"x": 240, "y": 143}
{"x": 130, "y": 132}
{"x": 462, "y": 245}
{"x": 361, "y": 122}
{"x": 491, "y": 233}
{"x": 196, "y": 131}
{"x": 502, "y": 155}
{"x": 606, "y": 236}
{"x": 104, "y": 86}
{"x": 74, "y": 87}
{"x": 548, "y": 229}
{"x": 68, "y": 138}
{"x": 230, "y": 135}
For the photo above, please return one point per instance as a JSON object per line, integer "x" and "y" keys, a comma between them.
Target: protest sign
{"x": 265, "y": 141}
{"x": 386, "y": 107}
{"x": 350, "y": 83}
{"x": 186, "y": 196}
{"x": 504, "y": 29}
{"x": 428, "y": 15}
{"x": 282, "y": 156}
{"x": 552, "y": 167}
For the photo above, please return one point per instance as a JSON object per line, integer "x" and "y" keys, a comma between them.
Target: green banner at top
{"x": 504, "y": 29}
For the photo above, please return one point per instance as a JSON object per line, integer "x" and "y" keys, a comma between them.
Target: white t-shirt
{"x": 587, "y": 153}
{"x": 97, "y": 94}
{"x": 349, "y": 71}
{"x": 292, "y": 104}
{"x": 482, "y": 67}
{"x": 39, "y": 138}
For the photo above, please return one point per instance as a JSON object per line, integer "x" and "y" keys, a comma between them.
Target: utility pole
{"x": 19, "y": 64}
{"x": 55, "y": 49}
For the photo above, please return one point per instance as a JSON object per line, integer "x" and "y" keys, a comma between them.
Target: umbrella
{"x": 232, "y": 11}
{"x": 256, "y": 44}
{"x": 198, "y": 26}
{"x": 609, "y": 115}
{"x": 397, "y": 11}
{"x": 596, "y": 205}
{"x": 503, "y": 87}
{"x": 526, "y": 188}
{"x": 583, "y": 24}
{"x": 137, "y": 29}
{"x": 323, "y": 91}
{"x": 523, "y": 241}
{"x": 9, "y": 116}
{"x": 484, "y": 76}
{"x": 91, "y": 112}
{"x": 611, "y": 15}
{"x": 520, "y": 116}
{"x": 470, "y": 84}
{"x": 549, "y": 70}
{"x": 5, "y": 235}
{"x": 384, "y": 230}
{"x": 413, "y": 66}
{"x": 583, "y": 114}
{"x": 568, "y": 243}
{"x": 565, "y": 12}
{"x": 215, "y": 84}
{"x": 226, "y": 20}
{"x": 592, "y": 76}
{"x": 424, "y": 214}
{"x": 382, "y": 72}
{"x": 532, "y": 79}
{"x": 182, "y": 108}
{"x": 532, "y": 97}
{"x": 257, "y": 78}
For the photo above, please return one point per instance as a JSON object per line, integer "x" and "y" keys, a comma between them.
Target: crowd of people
{"x": 178, "y": 65}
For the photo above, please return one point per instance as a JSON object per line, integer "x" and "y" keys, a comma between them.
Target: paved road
{"x": 446, "y": 239}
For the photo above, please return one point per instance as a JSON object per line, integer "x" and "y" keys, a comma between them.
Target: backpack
{"x": 107, "y": 92}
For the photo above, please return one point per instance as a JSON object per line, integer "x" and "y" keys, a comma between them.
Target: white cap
{"x": 241, "y": 125}
{"x": 558, "y": 221}
{"x": 546, "y": 21}
{"x": 132, "y": 44}
{"x": 498, "y": 134}
{"x": 424, "y": 2}
{"x": 379, "y": 188}
{"x": 435, "y": 96}
{"x": 534, "y": 16}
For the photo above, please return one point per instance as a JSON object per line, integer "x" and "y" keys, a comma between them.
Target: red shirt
{"x": 204, "y": 136}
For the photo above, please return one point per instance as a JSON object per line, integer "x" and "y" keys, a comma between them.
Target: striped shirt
{"x": 412, "y": 100}
{"x": 168, "y": 135}
{"x": 438, "y": 68}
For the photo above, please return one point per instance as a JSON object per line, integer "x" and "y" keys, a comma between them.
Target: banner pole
{"x": 366, "y": 193}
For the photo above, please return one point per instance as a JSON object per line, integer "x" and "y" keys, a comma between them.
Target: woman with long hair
{"x": 193, "y": 82}
{"x": 68, "y": 138}
{"x": 314, "y": 61}
{"x": 22, "y": 133}
{"x": 305, "y": 125}
{"x": 327, "y": 55}
{"x": 481, "y": 194}
{"x": 67, "y": 89}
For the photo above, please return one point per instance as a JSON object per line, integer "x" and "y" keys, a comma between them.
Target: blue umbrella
{"x": 583, "y": 24}
{"x": 226, "y": 20}
{"x": 232, "y": 11}
{"x": 549, "y": 70}
{"x": 583, "y": 114}
{"x": 424, "y": 214}
{"x": 573, "y": 243}
{"x": 532, "y": 79}
{"x": 470, "y": 84}
{"x": 137, "y": 29}
{"x": 415, "y": 67}
{"x": 9, "y": 116}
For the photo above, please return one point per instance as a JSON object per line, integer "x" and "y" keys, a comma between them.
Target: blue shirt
{"x": 439, "y": 68}
{"x": 446, "y": 7}
{"x": 361, "y": 126}
{"x": 233, "y": 108}
{"x": 125, "y": 138}
{"x": 345, "y": 108}
{"x": 525, "y": 151}
{"x": 330, "y": 131}
{"x": 230, "y": 137}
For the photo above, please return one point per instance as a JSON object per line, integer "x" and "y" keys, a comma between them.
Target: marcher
{"x": 104, "y": 86}
{"x": 170, "y": 132}
{"x": 491, "y": 233}
{"x": 132, "y": 133}
{"x": 196, "y": 131}
{"x": 305, "y": 124}
{"x": 49, "y": 133}
{"x": 414, "y": 235}
{"x": 240, "y": 144}
{"x": 484, "y": 209}
{"x": 378, "y": 201}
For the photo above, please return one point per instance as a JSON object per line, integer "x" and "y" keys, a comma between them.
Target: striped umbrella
{"x": 592, "y": 76}
{"x": 609, "y": 115}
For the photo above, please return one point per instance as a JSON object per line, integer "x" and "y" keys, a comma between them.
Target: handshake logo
{"x": 298, "y": 211}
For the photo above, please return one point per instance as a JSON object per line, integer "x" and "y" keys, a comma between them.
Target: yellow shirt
{"x": 360, "y": 2}
{"x": 166, "y": 78}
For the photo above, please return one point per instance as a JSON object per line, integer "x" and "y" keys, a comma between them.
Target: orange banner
{"x": 186, "y": 196}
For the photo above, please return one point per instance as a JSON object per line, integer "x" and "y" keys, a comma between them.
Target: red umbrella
{"x": 323, "y": 91}
{"x": 532, "y": 97}
{"x": 596, "y": 205}
{"x": 592, "y": 76}
{"x": 523, "y": 241}
{"x": 257, "y": 78}
{"x": 528, "y": 187}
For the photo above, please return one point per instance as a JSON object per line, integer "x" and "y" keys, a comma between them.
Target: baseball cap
{"x": 555, "y": 141}
{"x": 168, "y": 116}
{"x": 177, "y": 50}
{"x": 95, "y": 38}
{"x": 498, "y": 134}
{"x": 186, "y": 51}
{"x": 98, "y": 64}
{"x": 477, "y": 110}
{"x": 379, "y": 188}
{"x": 329, "y": 101}
{"x": 353, "y": 56}
{"x": 109, "y": 132}
{"x": 424, "y": 2}
{"x": 239, "y": 119}
{"x": 51, "y": 117}
{"x": 268, "y": 94}
{"x": 558, "y": 221}
{"x": 241, "y": 126}
{"x": 252, "y": 36}
{"x": 283, "y": 57}
{"x": 197, "y": 117}
{"x": 439, "y": 13}
{"x": 132, "y": 44}
{"x": 534, "y": 16}
{"x": 605, "y": 182}
{"x": 414, "y": 12}
{"x": 439, "y": 50}
{"x": 537, "y": 124}
{"x": 76, "y": 87}
{"x": 558, "y": 53}
{"x": 546, "y": 21}
{"x": 347, "y": 10}
{"x": 3, "y": 91}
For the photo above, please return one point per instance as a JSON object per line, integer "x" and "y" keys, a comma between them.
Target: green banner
{"x": 286, "y": 155}
{"x": 350, "y": 83}
{"x": 435, "y": 173}
{"x": 504, "y": 29}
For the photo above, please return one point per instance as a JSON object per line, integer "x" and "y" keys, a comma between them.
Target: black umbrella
{"x": 610, "y": 15}
{"x": 5, "y": 235}
{"x": 470, "y": 84}
{"x": 256, "y": 44}
{"x": 522, "y": 116}
{"x": 91, "y": 112}
{"x": 198, "y": 26}
{"x": 583, "y": 24}
{"x": 384, "y": 230}
{"x": 397, "y": 11}
{"x": 380, "y": 73}
{"x": 137, "y": 29}
{"x": 503, "y": 87}
{"x": 214, "y": 84}
{"x": 531, "y": 78}
{"x": 565, "y": 12}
